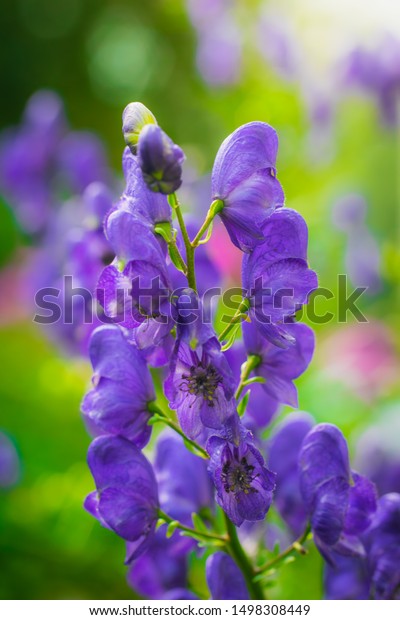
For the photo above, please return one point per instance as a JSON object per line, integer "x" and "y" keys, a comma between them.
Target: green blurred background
{"x": 98, "y": 56}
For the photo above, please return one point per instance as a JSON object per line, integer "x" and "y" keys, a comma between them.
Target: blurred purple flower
{"x": 362, "y": 256}
{"x": 183, "y": 481}
{"x": 27, "y": 160}
{"x": 382, "y": 543}
{"x": 376, "y": 72}
{"x": 9, "y": 462}
{"x": 346, "y": 579}
{"x": 340, "y": 503}
{"x": 126, "y": 499}
{"x": 284, "y": 450}
{"x": 224, "y": 579}
{"x": 377, "y": 453}
{"x": 82, "y": 160}
{"x": 161, "y": 568}
{"x": 123, "y": 388}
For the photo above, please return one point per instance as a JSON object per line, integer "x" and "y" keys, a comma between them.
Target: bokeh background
{"x": 326, "y": 75}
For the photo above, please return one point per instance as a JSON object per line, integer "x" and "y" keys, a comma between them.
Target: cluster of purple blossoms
{"x": 210, "y": 473}
{"x": 57, "y": 182}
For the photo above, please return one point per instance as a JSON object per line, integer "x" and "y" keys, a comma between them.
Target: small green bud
{"x": 134, "y": 118}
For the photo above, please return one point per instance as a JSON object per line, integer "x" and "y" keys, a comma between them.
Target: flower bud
{"x": 160, "y": 160}
{"x": 134, "y": 118}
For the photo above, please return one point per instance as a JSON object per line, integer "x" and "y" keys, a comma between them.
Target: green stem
{"x": 237, "y": 318}
{"x": 190, "y": 530}
{"x": 251, "y": 363}
{"x": 237, "y": 552}
{"x": 191, "y": 276}
{"x": 215, "y": 208}
{"x": 295, "y": 547}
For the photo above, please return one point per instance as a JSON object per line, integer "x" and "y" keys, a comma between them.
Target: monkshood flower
{"x": 118, "y": 404}
{"x": 9, "y": 462}
{"x": 139, "y": 298}
{"x": 284, "y": 450}
{"x": 224, "y": 579}
{"x": 160, "y": 160}
{"x": 162, "y": 567}
{"x": 200, "y": 387}
{"x": 179, "y": 594}
{"x": 244, "y": 486}
{"x": 280, "y": 366}
{"x": 362, "y": 256}
{"x": 82, "y": 160}
{"x": 149, "y": 207}
{"x": 276, "y": 277}
{"x": 377, "y": 452}
{"x": 219, "y": 45}
{"x": 184, "y": 488}
{"x": 340, "y": 502}
{"x": 382, "y": 544}
{"x": 243, "y": 183}
{"x": 184, "y": 485}
{"x": 134, "y": 117}
{"x": 126, "y": 498}
{"x": 27, "y": 158}
{"x": 376, "y": 72}
{"x": 346, "y": 579}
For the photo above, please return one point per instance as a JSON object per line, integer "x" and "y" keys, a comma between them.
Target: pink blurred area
{"x": 363, "y": 357}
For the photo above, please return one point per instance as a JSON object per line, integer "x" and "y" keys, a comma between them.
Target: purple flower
{"x": 179, "y": 594}
{"x": 200, "y": 387}
{"x": 162, "y": 567}
{"x": 244, "y": 486}
{"x": 280, "y": 366}
{"x": 276, "y": 276}
{"x": 224, "y": 579}
{"x": 126, "y": 499}
{"x": 134, "y": 117}
{"x": 283, "y": 459}
{"x": 149, "y": 207}
{"x": 382, "y": 543}
{"x": 346, "y": 579}
{"x": 97, "y": 198}
{"x": 123, "y": 389}
{"x": 183, "y": 481}
{"x": 377, "y": 453}
{"x": 9, "y": 462}
{"x": 160, "y": 160}
{"x": 340, "y": 502}
{"x": 27, "y": 158}
{"x": 376, "y": 72}
{"x": 243, "y": 180}
{"x": 82, "y": 160}
{"x": 377, "y": 575}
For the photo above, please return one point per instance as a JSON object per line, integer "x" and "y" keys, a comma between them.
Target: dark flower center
{"x": 238, "y": 476}
{"x": 202, "y": 381}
